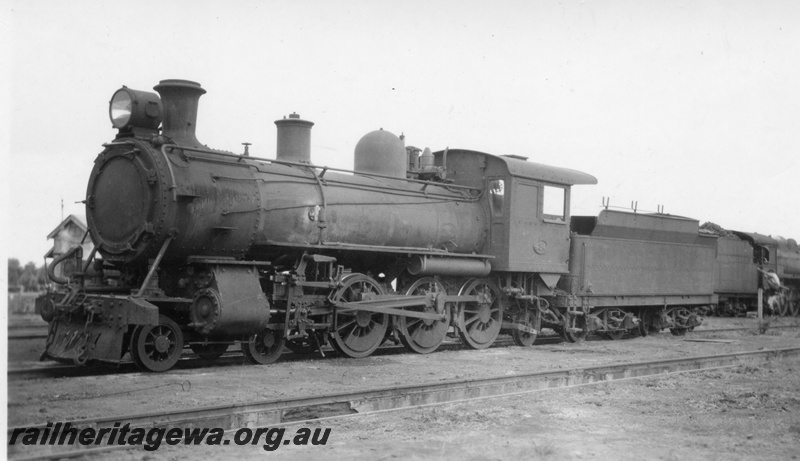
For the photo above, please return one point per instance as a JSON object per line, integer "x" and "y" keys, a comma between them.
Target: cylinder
{"x": 430, "y": 265}
{"x": 294, "y": 139}
{"x": 233, "y": 305}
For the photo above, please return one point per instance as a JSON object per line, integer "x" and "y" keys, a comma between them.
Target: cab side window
{"x": 554, "y": 201}
{"x": 497, "y": 196}
{"x": 760, "y": 254}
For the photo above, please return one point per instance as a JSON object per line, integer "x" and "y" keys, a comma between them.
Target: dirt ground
{"x": 742, "y": 413}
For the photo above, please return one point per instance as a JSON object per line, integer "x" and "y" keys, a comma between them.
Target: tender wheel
{"x": 614, "y": 335}
{"x": 645, "y": 322}
{"x": 679, "y": 317}
{"x": 479, "y": 322}
{"x": 422, "y": 335}
{"x": 530, "y": 320}
{"x": 357, "y": 333}
{"x": 209, "y": 351}
{"x": 157, "y": 348}
{"x": 576, "y": 337}
{"x": 263, "y": 348}
{"x": 575, "y": 321}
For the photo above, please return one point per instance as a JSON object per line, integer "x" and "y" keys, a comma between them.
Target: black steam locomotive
{"x": 207, "y": 248}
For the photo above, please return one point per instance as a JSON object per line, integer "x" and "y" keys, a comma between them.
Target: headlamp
{"x": 134, "y": 109}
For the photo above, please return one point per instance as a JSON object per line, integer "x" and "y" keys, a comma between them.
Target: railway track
{"x": 230, "y": 358}
{"x": 36, "y": 332}
{"x": 272, "y": 413}
{"x": 234, "y": 358}
{"x": 25, "y": 331}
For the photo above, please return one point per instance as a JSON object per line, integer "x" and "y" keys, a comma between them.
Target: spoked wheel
{"x": 782, "y": 305}
{"x": 794, "y": 302}
{"x": 678, "y": 331}
{"x": 263, "y": 348}
{"x": 423, "y": 335}
{"x": 678, "y": 316}
{"x": 479, "y": 321}
{"x": 645, "y": 321}
{"x": 612, "y": 318}
{"x": 157, "y": 348}
{"x": 614, "y": 335}
{"x": 209, "y": 351}
{"x": 357, "y": 333}
{"x": 530, "y": 320}
{"x": 575, "y": 322}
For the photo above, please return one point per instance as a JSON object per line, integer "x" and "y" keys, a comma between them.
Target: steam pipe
{"x": 52, "y": 267}
{"x": 154, "y": 267}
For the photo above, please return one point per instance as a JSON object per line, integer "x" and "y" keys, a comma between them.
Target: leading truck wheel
{"x": 263, "y": 348}
{"x": 357, "y": 333}
{"x": 479, "y": 321}
{"x": 157, "y": 347}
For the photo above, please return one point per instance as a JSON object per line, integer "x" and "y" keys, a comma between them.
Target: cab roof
{"x": 519, "y": 166}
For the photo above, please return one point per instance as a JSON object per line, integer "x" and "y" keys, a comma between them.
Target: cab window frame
{"x": 548, "y": 204}
{"x": 497, "y": 195}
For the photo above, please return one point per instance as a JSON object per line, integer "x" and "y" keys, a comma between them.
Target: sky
{"x": 690, "y": 105}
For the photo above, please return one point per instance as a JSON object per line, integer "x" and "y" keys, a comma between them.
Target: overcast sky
{"x": 693, "y": 105}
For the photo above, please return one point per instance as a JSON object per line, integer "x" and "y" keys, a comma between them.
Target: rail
{"x": 272, "y": 413}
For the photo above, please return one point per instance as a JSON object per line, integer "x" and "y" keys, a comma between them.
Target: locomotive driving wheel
{"x": 423, "y": 335}
{"x": 479, "y": 321}
{"x": 263, "y": 348}
{"x": 357, "y": 333}
{"x": 157, "y": 347}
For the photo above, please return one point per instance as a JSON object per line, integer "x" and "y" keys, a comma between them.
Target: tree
{"x": 14, "y": 272}
{"x": 29, "y": 278}
{"x": 41, "y": 275}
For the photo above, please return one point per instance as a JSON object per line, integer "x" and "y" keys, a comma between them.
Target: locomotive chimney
{"x": 294, "y": 139}
{"x": 180, "y": 99}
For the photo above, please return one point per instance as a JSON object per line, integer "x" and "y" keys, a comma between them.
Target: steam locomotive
{"x": 206, "y": 248}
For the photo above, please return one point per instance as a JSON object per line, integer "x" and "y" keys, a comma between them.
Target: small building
{"x": 66, "y": 235}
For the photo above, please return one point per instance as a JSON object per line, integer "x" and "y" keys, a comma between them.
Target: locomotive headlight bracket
{"x": 134, "y": 109}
